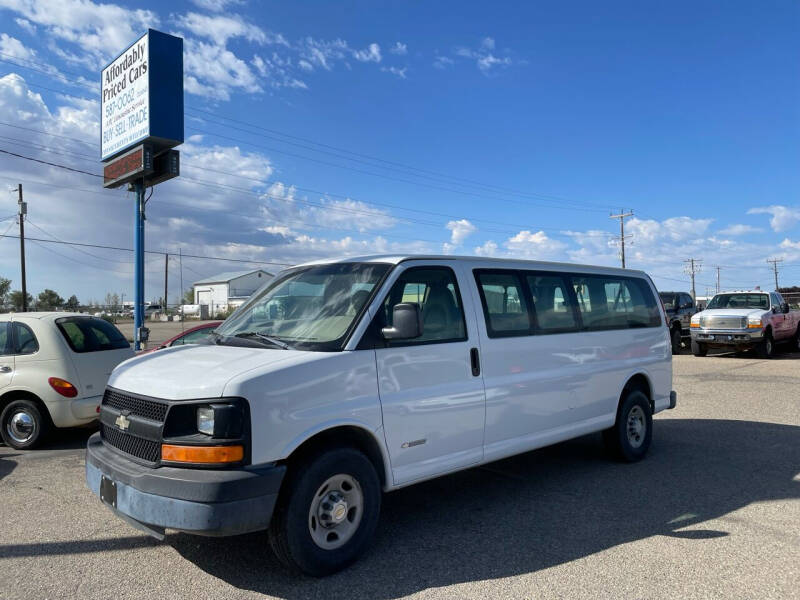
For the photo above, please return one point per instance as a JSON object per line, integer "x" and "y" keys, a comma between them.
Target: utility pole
{"x": 621, "y": 216}
{"x": 718, "y": 269}
{"x": 166, "y": 279}
{"x": 775, "y": 262}
{"x": 693, "y": 266}
{"x": 23, "y": 210}
{"x": 139, "y": 330}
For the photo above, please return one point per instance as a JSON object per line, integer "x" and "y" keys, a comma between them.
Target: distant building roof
{"x": 230, "y": 276}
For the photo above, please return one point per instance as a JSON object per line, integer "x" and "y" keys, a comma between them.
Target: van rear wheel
{"x": 327, "y": 513}
{"x": 632, "y": 433}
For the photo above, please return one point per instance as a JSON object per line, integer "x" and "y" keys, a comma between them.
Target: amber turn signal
{"x": 202, "y": 454}
{"x": 63, "y": 387}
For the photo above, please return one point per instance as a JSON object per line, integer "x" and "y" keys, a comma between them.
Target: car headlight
{"x": 695, "y": 321}
{"x": 754, "y": 323}
{"x": 205, "y": 420}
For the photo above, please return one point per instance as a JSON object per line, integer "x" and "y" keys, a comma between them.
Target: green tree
{"x": 72, "y": 303}
{"x": 49, "y": 300}
{"x": 15, "y": 300}
{"x": 188, "y": 296}
{"x": 5, "y": 287}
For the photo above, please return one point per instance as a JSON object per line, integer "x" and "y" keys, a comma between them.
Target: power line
{"x": 329, "y": 149}
{"x": 693, "y": 266}
{"x": 44, "y": 162}
{"x": 160, "y": 252}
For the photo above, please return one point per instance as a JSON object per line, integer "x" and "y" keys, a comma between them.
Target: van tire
{"x": 290, "y": 532}
{"x": 17, "y": 414}
{"x": 630, "y": 437}
{"x": 675, "y": 339}
{"x": 699, "y": 349}
{"x": 766, "y": 347}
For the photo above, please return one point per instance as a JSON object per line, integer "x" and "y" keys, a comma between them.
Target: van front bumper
{"x": 199, "y": 501}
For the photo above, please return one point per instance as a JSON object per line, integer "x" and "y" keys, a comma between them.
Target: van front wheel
{"x": 630, "y": 436}
{"x": 327, "y": 513}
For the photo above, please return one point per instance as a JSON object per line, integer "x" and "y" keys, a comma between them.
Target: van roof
{"x": 395, "y": 259}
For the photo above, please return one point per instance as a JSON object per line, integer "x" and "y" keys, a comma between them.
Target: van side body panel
{"x": 299, "y": 398}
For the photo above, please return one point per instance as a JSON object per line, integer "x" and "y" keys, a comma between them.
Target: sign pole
{"x": 138, "y": 247}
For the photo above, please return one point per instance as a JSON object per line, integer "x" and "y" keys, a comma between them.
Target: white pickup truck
{"x": 744, "y": 320}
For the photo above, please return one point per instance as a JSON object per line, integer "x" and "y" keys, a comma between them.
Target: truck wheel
{"x": 766, "y": 347}
{"x": 327, "y": 513}
{"x": 699, "y": 349}
{"x": 23, "y": 425}
{"x": 675, "y": 339}
{"x": 630, "y": 436}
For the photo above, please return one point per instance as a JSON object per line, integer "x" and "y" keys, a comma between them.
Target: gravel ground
{"x": 713, "y": 512}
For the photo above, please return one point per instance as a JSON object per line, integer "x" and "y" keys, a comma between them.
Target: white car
{"x": 53, "y": 370}
{"x": 341, "y": 379}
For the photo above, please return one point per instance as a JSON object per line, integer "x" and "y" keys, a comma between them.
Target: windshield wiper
{"x": 264, "y": 337}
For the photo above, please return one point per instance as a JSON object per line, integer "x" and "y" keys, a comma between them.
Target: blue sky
{"x": 509, "y": 129}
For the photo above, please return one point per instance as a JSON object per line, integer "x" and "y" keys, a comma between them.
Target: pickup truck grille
{"x": 139, "y": 433}
{"x": 715, "y": 322}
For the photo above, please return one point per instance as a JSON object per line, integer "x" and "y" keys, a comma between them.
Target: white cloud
{"x": 490, "y": 248}
{"x": 13, "y": 47}
{"x": 789, "y": 244}
{"x": 485, "y": 57}
{"x": 216, "y": 5}
{"x": 739, "y": 229}
{"x": 221, "y": 28}
{"x": 213, "y": 70}
{"x": 396, "y": 71}
{"x": 442, "y": 62}
{"x": 460, "y": 230}
{"x": 783, "y": 217}
{"x": 537, "y": 245}
{"x": 399, "y": 48}
{"x": 26, "y": 25}
{"x": 371, "y": 54}
{"x": 97, "y": 29}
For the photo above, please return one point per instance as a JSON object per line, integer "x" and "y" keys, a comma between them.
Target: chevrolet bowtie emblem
{"x": 122, "y": 422}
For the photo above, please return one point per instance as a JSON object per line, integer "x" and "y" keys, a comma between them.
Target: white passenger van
{"x": 339, "y": 380}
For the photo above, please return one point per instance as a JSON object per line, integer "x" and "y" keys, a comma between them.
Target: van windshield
{"x": 308, "y": 308}
{"x": 739, "y": 301}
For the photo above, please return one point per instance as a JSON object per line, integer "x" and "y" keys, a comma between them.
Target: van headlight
{"x": 220, "y": 420}
{"x": 205, "y": 420}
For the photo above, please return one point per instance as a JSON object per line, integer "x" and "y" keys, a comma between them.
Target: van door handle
{"x": 5, "y": 369}
{"x": 475, "y": 360}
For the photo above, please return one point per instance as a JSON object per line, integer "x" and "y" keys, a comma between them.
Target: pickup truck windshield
{"x": 740, "y": 301}
{"x": 308, "y": 308}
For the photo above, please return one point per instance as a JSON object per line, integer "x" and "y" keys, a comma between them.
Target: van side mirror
{"x": 406, "y": 322}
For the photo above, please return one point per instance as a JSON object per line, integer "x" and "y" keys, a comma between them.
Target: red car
{"x": 190, "y": 336}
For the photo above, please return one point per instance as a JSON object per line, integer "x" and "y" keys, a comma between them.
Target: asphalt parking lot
{"x": 159, "y": 331}
{"x": 712, "y": 512}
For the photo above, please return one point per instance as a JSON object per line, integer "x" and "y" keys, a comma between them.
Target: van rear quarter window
{"x": 609, "y": 302}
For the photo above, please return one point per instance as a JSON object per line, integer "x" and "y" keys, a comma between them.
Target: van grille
{"x": 138, "y": 441}
{"x": 155, "y": 411}
{"x": 141, "y": 448}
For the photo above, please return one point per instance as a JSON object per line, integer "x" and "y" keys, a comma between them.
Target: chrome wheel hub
{"x": 21, "y": 426}
{"x": 335, "y": 512}
{"x": 637, "y": 427}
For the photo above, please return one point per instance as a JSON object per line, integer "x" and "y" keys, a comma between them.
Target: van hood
{"x": 193, "y": 371}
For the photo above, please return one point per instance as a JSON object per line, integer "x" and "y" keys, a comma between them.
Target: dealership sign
{"x": 142, "y": 96}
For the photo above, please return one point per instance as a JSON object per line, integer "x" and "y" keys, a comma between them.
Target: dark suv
{"x": 680, "y": 307}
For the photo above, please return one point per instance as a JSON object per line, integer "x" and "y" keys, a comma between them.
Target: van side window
{"x": 436, "y": 292}
{"x": 551, "y": 303}
{"x": 504, "y": 305}
{"x": 25, "y": 342}
{"x": 608, "y": 302}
